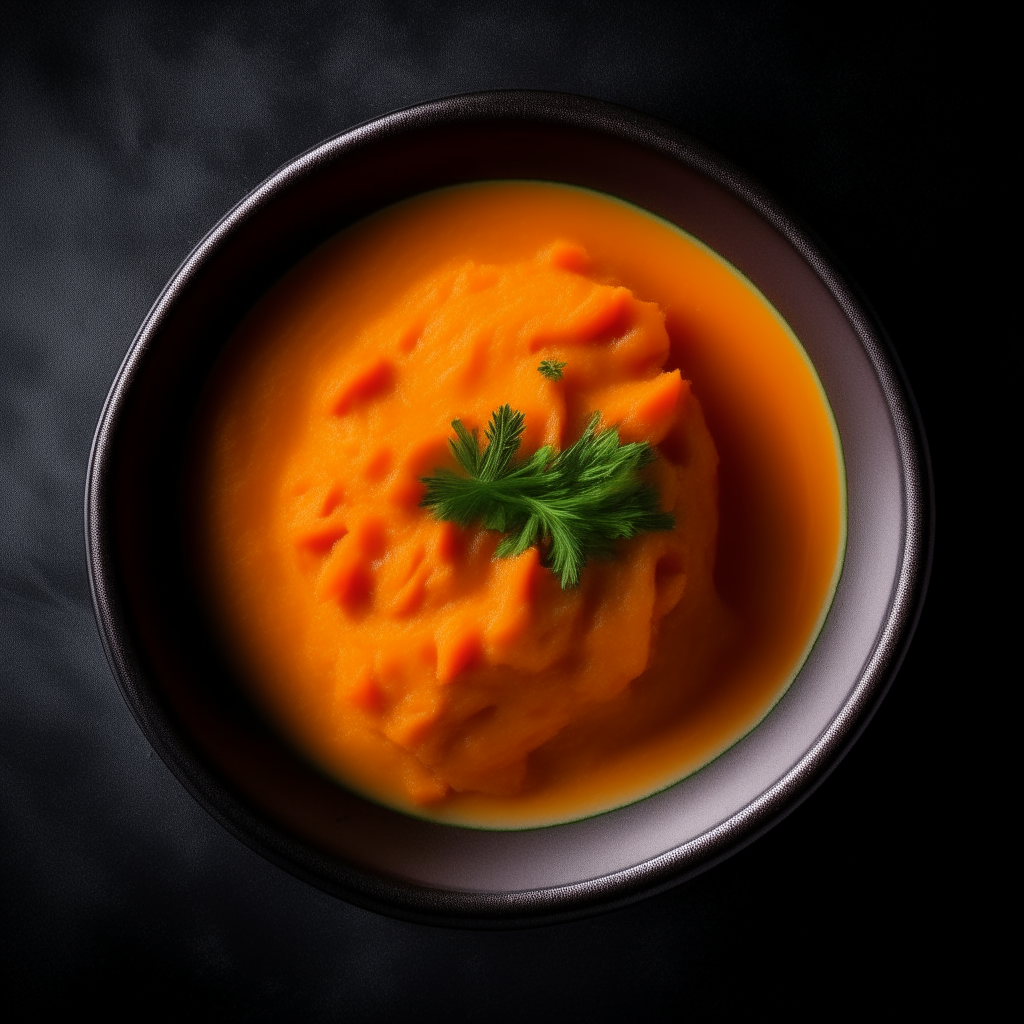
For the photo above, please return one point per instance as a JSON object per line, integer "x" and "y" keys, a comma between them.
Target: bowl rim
{"x": 480, "y": 909}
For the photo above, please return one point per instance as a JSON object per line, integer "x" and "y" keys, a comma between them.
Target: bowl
{"x": 168, "y": 664}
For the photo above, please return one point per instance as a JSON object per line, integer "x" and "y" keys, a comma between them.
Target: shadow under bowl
{"x": 168, "y": 665}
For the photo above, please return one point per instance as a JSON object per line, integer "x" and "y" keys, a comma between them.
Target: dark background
{"x": 126, "y": 130}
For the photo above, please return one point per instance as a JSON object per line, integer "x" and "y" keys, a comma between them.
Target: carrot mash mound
{"x": 396, "y": 649}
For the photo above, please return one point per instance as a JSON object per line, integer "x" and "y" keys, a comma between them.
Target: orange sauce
{"x": 394, "y": 650}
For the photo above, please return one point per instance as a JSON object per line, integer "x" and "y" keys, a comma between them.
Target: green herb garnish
{"x": 573, "y": 504}
{"x": 551, "y": 368}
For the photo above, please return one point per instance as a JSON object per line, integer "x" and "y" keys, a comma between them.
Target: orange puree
{"x": 395, "y": 650}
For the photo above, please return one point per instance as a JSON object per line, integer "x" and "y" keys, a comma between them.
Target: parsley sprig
{"x": 573, "y": 504}
{"x": 552, "y": 369}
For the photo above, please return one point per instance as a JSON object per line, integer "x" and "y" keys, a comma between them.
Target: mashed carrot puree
{"x": 396, "y": 650}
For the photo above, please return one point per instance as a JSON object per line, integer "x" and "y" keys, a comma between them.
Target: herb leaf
{"x": 551, "y": 368}
{"x": 574, "y": 504}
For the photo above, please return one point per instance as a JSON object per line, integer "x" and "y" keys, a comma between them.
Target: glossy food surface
{"x": 395, "y": 650}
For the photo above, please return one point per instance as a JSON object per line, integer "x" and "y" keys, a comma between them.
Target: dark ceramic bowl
{"x": 168, "y": 666}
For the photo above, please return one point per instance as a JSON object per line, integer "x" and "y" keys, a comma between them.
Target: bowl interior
{"x": 168, "y": 664}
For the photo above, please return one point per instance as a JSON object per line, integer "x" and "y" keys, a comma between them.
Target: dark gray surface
{"x": 127, "y": 130}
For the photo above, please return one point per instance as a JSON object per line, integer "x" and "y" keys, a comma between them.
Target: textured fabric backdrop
{"x": 127, "y": 130}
